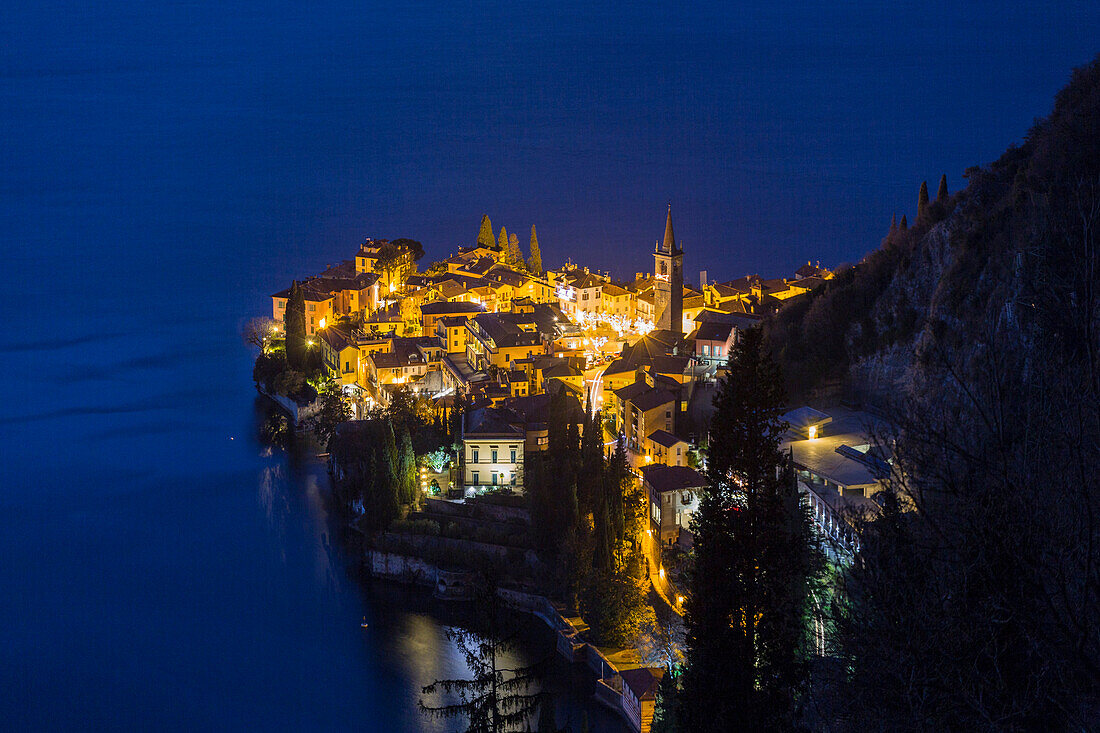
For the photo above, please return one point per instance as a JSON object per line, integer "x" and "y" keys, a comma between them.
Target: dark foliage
{"x": 755, "y": 559}
{"x": 294, "y": 319}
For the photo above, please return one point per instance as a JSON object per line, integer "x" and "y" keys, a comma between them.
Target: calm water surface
{"x": 164, "y": 167}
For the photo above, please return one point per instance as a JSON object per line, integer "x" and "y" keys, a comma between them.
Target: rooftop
{"x": 673, "y": 478}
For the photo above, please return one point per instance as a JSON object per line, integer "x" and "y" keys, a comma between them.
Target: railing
{"x": 831, "y": 524}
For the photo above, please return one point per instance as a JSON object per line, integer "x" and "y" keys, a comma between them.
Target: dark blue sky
{"x": 263, "y": 140}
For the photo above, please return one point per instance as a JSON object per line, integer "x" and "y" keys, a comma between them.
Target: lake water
{"x": 165, "y": 167}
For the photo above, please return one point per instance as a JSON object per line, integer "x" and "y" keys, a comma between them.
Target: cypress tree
{"x": 904, "y": 224}
{"x": 387, "y": 487}
{"x": 922, "y": 201}
{"x": 407, "y": 465}
{"x": 601, "y": 525}
{"x": 485, "y": 236}
{"x": 591, "y": 461}
{"x": 295, "y": 325}
{"x": 534, "y": 262}
{"x": 941, "y": 193}
{"x": 893, "y": 223}
{"x": 502, "y": 243}
{"x": 754, "y": 562}
{"x": 515, "y": 256}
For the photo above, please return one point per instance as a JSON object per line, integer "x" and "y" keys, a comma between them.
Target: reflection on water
{"x": 405, "y": 643}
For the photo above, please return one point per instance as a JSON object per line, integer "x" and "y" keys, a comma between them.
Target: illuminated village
{"x": 497, "y": 328}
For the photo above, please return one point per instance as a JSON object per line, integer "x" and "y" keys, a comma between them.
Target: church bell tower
{"x": 668, "y": 290}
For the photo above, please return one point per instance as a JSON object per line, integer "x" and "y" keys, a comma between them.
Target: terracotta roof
{"x": 665, "y": 438}
{"x": 643, "y": 681}
{"x": 713, "y": 331}
{"x": 492, "y": 421}
{"x": 673, "y": 478}
{"x": 443, "y": 306}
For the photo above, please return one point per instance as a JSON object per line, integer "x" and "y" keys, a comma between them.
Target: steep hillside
{"x": 1007, "y": 259}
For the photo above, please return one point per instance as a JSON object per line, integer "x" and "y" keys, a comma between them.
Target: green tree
{"x": 295, "y": 323}
{"x": 497, "y": 697}
{"x": 502, "y": 243}
{"x": 515, "y": 255}
{"x": 333, "y": 411}
{"x": 534, "y": 262}
{"x": 747, "y": 658}
{"x": 615, "y": 607}
{"x": 408, "y": 478}
{"x": 941, "y": 193}
{"x": 665, "y": 718}
{"x": 922, "y": 201}
{"x": 485, "y": 236}
{"x": 267, "y": 369}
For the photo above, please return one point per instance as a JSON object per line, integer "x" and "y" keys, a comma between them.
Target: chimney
{"x": 702, "y": 279}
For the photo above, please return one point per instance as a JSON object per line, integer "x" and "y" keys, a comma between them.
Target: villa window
{"x": 474, "y": 458}
{"x": 513, "y": 456}
{"x": 474, "y": 478}
{"x": 312, "y": 307}
{"x": 494, "y": 456}
{"x": 494, "y": 478}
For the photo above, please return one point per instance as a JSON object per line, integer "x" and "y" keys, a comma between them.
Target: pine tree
{"x": 941, "y": 193}
{"x": 904, "y": 224}
{"x": 893, "y": 223}
{"x": 502, "y": 243}
{"x": 295, "y": 325}
{"x": 922, "y": 201}
{"x": 485, "y": 236}
{"x": 534, "y": 262}
{"x": 754, "y": 561}
{"x": 497, "y": 698}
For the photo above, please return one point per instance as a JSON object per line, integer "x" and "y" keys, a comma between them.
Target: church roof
{"x": 669, "y": 244}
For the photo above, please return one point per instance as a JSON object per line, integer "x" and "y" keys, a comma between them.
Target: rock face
{"x": 1008, "y": 262}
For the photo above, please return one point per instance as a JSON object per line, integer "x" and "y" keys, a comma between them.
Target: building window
{"x": 494, "y": 456}
{"x": 494, "y": 478}
{"x": 706, "y": 350}
{"x": 474, "y": 478}
{"x": 474, "y": 458}
{"x": 513, "y": 455}
{"x": 312, "y": 307}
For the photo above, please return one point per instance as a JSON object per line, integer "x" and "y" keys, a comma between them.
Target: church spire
{"x": 669, "y": 245}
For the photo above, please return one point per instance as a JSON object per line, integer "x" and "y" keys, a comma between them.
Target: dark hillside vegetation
{"x": 974, "y": 603}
